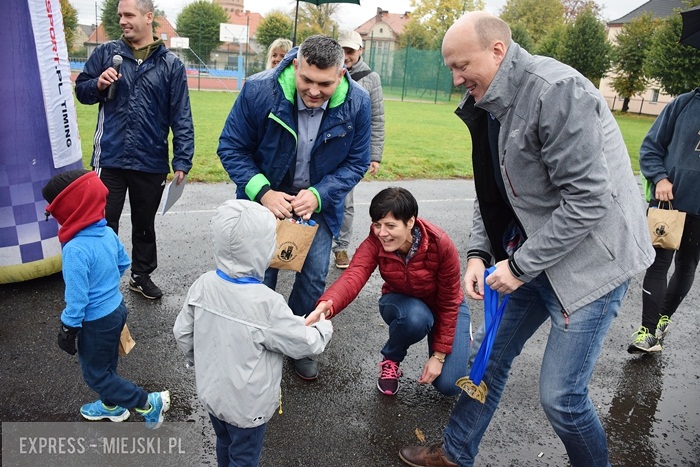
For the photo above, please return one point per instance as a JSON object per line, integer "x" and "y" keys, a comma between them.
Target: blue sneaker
{"x": 98, "y": 411}
{"x": 159, "y": 404}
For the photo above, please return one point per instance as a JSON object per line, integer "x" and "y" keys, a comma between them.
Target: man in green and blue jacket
{"x": 297, "y": 141}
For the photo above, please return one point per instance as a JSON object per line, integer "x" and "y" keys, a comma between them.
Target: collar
{"x": 504, "y": 87}
{"x": 237, "y": 280}
{"x": 302, "y": 106}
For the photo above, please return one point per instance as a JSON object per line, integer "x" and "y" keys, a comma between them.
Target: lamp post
{"x": 199, "y": 59}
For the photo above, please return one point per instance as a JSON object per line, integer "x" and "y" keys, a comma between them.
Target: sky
{"x": 350, "y": 16}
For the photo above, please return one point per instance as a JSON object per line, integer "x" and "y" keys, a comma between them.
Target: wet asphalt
{"x": 649, "y": 404}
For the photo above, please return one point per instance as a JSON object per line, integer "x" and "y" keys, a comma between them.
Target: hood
{"x": 244, "y": 236}
{"x": 80, "y": 204}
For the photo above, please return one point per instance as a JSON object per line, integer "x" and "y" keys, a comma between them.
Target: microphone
{"x": 116, "y": 64}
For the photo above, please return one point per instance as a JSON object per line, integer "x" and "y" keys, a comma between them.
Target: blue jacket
{"x": 93, "y": 262}
{"x": 258, "y": 144}
{"x": 671, "y": 149}
{"x": 152, "y": 98}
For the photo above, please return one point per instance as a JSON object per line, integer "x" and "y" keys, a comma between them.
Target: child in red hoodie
{"x": 94, "y": 259}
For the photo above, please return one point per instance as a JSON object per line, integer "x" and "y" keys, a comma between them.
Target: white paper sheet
{"x": 171, "y": 194}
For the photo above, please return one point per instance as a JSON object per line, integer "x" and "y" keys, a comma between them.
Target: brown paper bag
{"x": 665, "y": 226}
{"x": 126, "y": 342}
{"x": 293, "y": 244}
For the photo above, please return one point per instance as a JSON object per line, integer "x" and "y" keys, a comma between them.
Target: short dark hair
{"x": 322, "y": 52}
{"x": 396, "y": 201}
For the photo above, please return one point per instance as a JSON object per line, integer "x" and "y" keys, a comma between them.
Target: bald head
{"x": 473, "y": 49}
{"x": 480, "y": 26}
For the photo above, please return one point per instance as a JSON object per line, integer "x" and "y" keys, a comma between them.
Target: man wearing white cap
{"x": 351, "y": 42}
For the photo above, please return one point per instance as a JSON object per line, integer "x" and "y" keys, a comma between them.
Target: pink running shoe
{"x": 389, "y": 373}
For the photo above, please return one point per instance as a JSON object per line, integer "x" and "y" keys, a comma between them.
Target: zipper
{"x": 510, "y": 184}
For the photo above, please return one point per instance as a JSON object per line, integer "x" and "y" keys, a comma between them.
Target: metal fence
{"x": 407, "y": 74}
{"x": 639, "y": 106}
{"x": 412, "y": 74}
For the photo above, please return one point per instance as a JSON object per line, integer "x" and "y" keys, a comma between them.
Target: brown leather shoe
{"x": 342, "y": 260}
{"x": 425, "y": 456}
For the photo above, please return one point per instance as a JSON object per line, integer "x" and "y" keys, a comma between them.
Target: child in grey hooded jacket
{"x": 236, "y": 331}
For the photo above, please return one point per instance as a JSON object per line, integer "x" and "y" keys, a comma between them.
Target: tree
{"x": 572, "y": 8}
{"x": 586, "y": 48}
{"x": 538, "y": 17}
{"x": 70, "y": 23}
{"x": 522, "y": 37}
{"x": 676, "y": 67}
{"x": 316, "y": 19}
{"x": 415, "y": 36}
{"x": 436, "y": 16}
{"x": 276, "y": 24}
{"x": 199, "y": 21}
{"x": 552, "y": 45}
{"x": 630, "y": 51}
{"x": 110, "y": 19}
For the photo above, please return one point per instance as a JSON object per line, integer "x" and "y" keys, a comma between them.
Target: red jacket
{"x": 432, "y": 275}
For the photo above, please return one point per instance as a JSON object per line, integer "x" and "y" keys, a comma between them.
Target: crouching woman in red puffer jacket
{"x": 421, "y": 295}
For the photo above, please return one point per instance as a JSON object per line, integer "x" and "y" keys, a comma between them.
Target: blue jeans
{"x": 310, "y": 283}
{"x": 410, "y": 320}
{"x": 98, "y": 353}
{"x": 237, "y": 447}
{"x": 569, "y": 357}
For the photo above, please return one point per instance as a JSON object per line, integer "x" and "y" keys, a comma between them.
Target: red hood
{"x": 80, "y": 204}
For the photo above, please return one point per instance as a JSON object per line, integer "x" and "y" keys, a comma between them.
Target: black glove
{"x": 66, "y": 338}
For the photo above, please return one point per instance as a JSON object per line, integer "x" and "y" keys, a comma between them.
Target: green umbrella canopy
{"x": 315, "y": 2}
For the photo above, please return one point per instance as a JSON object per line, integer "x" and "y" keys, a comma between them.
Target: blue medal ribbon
{"x": 493, "y": 312}
{"x": 238, "y": 280}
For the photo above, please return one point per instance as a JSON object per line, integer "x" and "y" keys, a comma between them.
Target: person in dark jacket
{"x": 297, "y": 141}
{"x": 421, "y": 295}
{"x": 670, "y": 159}
{"x": 138, "y": 106}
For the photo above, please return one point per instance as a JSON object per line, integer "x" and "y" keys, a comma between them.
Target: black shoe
{"x": 306, "y": 368}
{"x": 145, "y": 286}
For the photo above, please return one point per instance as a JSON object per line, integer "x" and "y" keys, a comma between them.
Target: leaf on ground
{"x": 420, "y": 435}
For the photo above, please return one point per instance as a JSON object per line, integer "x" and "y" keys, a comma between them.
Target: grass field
{"x": 422, "y": 140}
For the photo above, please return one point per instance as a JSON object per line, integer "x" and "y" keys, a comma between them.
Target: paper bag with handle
{"x": 294, "y": 239}
{"x": 665, "y": 226}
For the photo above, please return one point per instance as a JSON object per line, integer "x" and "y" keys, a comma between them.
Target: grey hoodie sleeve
{"x": 287, "y": 333}
{"x": 184, "y": 331}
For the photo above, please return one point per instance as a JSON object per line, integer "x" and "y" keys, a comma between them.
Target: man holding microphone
{"x": 141, "y": 89}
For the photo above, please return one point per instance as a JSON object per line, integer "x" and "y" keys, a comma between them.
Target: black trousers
{"x": 661, "y": 296}
{"x": 145, "y": 190}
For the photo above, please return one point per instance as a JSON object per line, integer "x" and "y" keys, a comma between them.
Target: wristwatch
{"x": 439, "y": 359}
